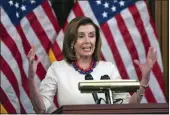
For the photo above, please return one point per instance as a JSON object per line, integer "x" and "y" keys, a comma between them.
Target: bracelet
{"x": 144, "y": 86}
{"x": 141, "y": 94}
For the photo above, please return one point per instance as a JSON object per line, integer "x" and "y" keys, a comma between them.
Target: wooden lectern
{"x": 114, "y": 109}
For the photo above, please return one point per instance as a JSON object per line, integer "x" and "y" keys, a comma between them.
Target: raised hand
{"x": 148, "y": 65}
{"x": 32, "y": 62}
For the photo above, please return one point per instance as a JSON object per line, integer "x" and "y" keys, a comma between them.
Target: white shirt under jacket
{"x": 62, "y": 80}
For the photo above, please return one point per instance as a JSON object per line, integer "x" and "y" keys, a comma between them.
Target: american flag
{"x": 24, "y": 23}
{"x": 127, "y": 32}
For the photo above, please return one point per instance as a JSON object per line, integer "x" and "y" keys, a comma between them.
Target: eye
{"x": 80, "y": 36}
{"x": 91, "y": 35}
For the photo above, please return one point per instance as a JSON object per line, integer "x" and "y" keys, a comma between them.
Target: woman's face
{"x": 86, "y": 40}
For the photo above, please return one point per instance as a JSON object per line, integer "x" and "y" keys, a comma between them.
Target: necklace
{"x": 84, "y": 71}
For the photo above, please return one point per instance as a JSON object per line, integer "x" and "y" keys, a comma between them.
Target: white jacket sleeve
{"x": 48, "y": 87}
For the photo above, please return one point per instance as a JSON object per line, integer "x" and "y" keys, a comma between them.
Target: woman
{"x": 81, "y": 50}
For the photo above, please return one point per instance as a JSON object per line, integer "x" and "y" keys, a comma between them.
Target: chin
{"x": 87, "y": 54}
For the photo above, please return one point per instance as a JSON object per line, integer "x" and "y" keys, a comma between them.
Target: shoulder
{"x": 60, "y": 64}
{"x": 105, "y": 68}
{"x": 56, "y": 67}
{"x": 110, "y": 69}
{"x": 106, "y": 64}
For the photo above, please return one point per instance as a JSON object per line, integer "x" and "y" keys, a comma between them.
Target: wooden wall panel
{"x": 162, "y": 22}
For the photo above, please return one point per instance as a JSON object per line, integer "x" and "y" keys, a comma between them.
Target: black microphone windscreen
{"x": 104, "y": 77}
{"x": 88, "y": 77}
{"x": 94, "y": 94}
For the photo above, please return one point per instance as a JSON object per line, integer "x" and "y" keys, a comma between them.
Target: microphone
{"x": 106, "y": 77}
{"x": 89, "y": 77}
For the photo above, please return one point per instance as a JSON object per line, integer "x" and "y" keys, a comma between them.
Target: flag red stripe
{"x": 8, "y": 72}
{"x": 159, "y": 76}
{"x": 11, "y": 78}
{"x": 65, "y": 26}
{"x": 39, "y": 31}
{"x": 77, "y": 10}
{"x": 16, "y": 54}
{"x": 43, "y": 38}
{"x": 27, "y": 47}
{"x": 41, "y": 72}
{"x": 132, "y": 49}
{"x": 54, "y": 21}
{"x": 57, "y": 52}
{"x": 140, "y": 28}
{"x": 102, "y": 57}
{"x": 154, "y": 28}
{"x": 149, "y": 96}
{"x": 156, "y": 70}
{"x": 128, "y": 42}
{"x": 6, "y": 103}
{"x": 55, "y": 101}
{"x": 151, "y": 21}
{"x": 47, "y": 8}
{"x": 24, "y": 40}
{"x": 117, "y": 57}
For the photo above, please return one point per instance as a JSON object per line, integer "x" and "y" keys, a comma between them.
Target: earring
{"x": 72, "y": 46}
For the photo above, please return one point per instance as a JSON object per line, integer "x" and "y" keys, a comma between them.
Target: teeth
{"x": 86, "y": 48}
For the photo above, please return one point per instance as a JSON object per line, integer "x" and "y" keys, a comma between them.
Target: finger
{"x": 31, "y": 53}
{"x": 31, "y": 62}
{"x": 33, "y": 47}
{"x": 136, "y": 62}
{"x": 153, "y": 54}
{"x": 149, "y": 52}
{"x": 39, "y": 59}
{"x": 32, "y": 57}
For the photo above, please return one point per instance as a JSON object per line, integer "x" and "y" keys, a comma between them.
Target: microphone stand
{"x": 109, "y": 96}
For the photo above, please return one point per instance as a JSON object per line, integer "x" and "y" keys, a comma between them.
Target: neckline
{"x": 84, "y": 71}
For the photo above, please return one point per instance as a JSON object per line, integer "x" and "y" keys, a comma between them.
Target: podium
{"x": 151, "y": 108}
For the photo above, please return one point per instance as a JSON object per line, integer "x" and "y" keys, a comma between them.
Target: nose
{"x": 87, "y": 39}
